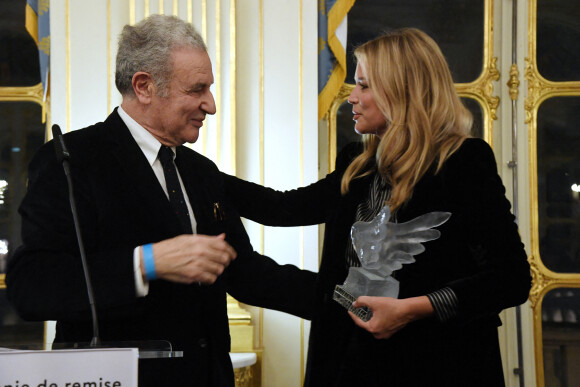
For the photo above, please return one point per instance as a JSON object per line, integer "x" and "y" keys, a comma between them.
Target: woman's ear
{"x": 143, "y": 87}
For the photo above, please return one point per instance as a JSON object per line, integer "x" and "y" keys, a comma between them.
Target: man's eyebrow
{"x": 199, "y": 85}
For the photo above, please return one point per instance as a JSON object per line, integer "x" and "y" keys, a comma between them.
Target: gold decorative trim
{"x": 218, "y": 80}
{"x": 132, "y": 12}
{"x": 540, "y": 282}
{"x": 2, "y": 281}
{"x": 204, "y": 35}
{"x": 335, "y": 15}
{"x": 514, "y": 82}
{"x": 243, "y": 376}
{"x": 25, "y": 93}
{"x": 342, "y": 96}
{"x": 190, "y": 11}
{"x": 301, "y": 136}
{"x": 204, "y": 19}
{"x": 233, "y": 95}
{"x": 540, "y": 89}
{"x": 545, "y": 280}
{"x": 109, "y": 72}
{"x": 262, "y": 154}
{"x": 67, "y": 66}
{"x": 480, "y": 90}
{"x": 261, "y": 102}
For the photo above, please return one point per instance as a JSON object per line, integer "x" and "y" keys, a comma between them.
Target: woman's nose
{"x": 352, "y": 99}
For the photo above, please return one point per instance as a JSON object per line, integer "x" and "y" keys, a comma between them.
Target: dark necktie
{"x": 176, "y": 198}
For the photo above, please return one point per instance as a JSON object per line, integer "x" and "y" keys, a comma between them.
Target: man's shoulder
{"x": 99, "y": 130}
{"x": 192, "y": 156}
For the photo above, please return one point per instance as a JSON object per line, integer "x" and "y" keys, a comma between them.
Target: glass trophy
{"x": 382, "y": 248}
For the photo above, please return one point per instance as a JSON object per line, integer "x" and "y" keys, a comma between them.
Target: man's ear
{"x": 143, "y": 87}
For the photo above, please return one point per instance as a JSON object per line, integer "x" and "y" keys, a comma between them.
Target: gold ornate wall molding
{"x": 243, "y": 376}
{"x": 25, "y": 94}
{"x": 514, "y": 82}
{"x": 342, "y": 96}
{"x": 540, "y": 89}
{"x": 481, "y": 89}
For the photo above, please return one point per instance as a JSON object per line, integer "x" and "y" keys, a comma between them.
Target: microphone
{"x": 63, "y": 157}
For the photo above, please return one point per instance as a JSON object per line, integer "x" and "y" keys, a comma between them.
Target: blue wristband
{"x": 149, "y": 262}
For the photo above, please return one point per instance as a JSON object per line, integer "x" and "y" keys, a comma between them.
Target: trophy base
{"x": 346, "y": 299}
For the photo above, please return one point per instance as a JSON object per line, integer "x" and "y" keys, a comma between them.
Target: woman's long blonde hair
{"x": 426, "y": 121}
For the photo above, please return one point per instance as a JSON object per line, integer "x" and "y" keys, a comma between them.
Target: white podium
{"x": 104, "y": 367}
{"x": 78, "y": 365}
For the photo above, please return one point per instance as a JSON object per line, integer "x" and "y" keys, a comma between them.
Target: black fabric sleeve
{"x": 45, "y": 278}
{"x": 258, "y": 280}
{"x": 298, "y": 207}
{"x": 501, "y": 274}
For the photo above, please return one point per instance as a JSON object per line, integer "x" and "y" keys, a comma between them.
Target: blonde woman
{"x": 417, "y": 157}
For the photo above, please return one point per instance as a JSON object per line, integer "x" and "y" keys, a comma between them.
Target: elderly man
{"x": 162, "y": 242}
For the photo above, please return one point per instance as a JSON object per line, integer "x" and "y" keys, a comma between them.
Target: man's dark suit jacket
{"x": 479, "y": 256}
{"x": 121, "y": 205}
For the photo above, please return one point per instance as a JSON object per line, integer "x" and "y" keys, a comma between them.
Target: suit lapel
{"x": 133, "y": 164}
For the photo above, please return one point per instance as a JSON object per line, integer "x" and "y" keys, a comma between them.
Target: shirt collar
{"x": 147, "y": 142}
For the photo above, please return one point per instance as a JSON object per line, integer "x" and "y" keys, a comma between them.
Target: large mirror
{"x": 558, "y": 31}
{"x": 21, "y": 134}
{"x": 461, "y": 41}
{"x": 559, "y": 183}
{"x": 561, "y": 337}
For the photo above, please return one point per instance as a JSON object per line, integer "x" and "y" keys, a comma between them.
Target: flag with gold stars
{"x": 332, "y": 16}
{"x": 38, "y": 26}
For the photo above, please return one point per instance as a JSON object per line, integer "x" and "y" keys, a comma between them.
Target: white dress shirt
{"x": 150, "y": 147}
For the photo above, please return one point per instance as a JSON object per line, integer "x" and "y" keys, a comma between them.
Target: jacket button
{"x": 202, "y": 343}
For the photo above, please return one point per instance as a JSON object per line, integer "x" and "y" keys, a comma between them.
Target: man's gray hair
{"x": 147, "y": 46}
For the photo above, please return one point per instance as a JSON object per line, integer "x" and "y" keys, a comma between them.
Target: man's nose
{"x": 208, "y": 103}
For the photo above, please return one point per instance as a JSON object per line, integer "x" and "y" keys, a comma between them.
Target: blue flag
{"x": 38, "y": 26}
{"x": 331, "y": 51}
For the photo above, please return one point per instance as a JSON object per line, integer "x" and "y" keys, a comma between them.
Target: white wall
{"x": 264, "y": 62}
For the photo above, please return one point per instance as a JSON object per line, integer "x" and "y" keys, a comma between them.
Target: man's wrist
{"x": 148, "y": 261}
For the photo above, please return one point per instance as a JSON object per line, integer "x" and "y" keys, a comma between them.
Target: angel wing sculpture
{"x": 382, "y": 248}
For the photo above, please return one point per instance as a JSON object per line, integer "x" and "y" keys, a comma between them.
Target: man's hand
{"x": 191, "y": 258}
{"x": 390, "y": 315}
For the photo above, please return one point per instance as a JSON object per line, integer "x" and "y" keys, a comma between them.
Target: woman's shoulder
{"x": 474, "y": 146}
{"x": 471, "y": 153}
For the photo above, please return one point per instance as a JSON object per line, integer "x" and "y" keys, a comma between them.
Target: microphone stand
{"x": 63, "y": 156}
